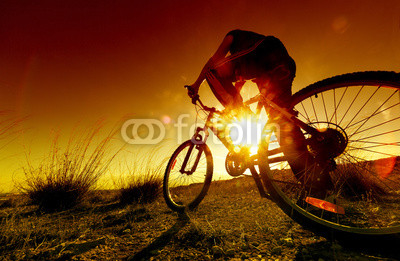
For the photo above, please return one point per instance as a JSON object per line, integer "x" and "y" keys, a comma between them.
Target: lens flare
{"x": 245, "y": 130}
{"x": 384, "y": 167}
{"x": 166, "y": 119}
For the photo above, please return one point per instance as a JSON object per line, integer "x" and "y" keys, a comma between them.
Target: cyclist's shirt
{"x": 267, "y": 56}
{"x": 255, "y": 56}
{"x": 243, "y": 40}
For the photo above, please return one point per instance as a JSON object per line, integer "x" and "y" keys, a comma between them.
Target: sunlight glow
{"x": 245, "y": 130}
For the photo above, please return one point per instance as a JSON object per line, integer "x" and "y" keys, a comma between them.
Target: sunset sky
{"x": 67, "y": 62}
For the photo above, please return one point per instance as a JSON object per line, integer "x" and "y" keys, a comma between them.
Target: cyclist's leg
{"x": 292, "y": 140}
{"x": 293, "y": 144}
{"x": 220, "y": 81}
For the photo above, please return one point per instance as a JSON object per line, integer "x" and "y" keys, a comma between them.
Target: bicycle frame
{"x": 265, "y": 102}
{"x": 262, "y": 102}
{"x": 250, "y": 161}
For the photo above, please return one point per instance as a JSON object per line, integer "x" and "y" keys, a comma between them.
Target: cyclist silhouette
{"x": 262, "y": 59}
{"x": 265, "y": 61}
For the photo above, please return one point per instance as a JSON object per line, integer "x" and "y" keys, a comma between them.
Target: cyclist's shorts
{"x": 268, "y": 56}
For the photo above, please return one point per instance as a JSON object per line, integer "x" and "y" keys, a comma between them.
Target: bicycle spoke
{"x": 374, "y": 113}
{"x": 376, "y": 152}
{"x": 323, "y": 101}
{"x": 307, "y": 118}
{"x": 312, "y": 102}
{"x": 346, "y": 179}
{"x": 375, "y": 142}
{"x": 351, "y": 105}
{"x": 359, "y": 161}
{"x": 336, "y": 107}
{"x": 380, "y": 134}
{"x": 287, "y": 182}
{"x": 362, "y": 106}
{"x": 369, "y": 147}
{"x": 372, "y": 173}
{"x": 372, "y": 127}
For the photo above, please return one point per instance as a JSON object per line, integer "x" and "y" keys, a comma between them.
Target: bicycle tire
{"x": 189, "y": 189}
{"x": 330, "y": 223}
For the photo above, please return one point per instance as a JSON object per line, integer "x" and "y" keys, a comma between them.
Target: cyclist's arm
{"x": 221, "y": 52}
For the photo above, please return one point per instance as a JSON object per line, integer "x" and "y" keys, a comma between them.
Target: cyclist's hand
{"x": 192, "y": 92}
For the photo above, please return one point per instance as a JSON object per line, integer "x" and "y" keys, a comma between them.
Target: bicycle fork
{"x": 197, "y": 139}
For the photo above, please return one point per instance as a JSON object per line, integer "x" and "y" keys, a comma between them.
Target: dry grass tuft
{"x": 143, "y": 190}
{"x": 65, "y": 177}
{"x": 143, "y": 182}
{"x": 354, "y": 180}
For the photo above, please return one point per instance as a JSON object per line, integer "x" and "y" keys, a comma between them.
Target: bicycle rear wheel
{"x": 188, "y": 176}
{"x": 359, "y": 117}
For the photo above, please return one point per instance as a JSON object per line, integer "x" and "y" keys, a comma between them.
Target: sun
{"x": 245, "y": 130}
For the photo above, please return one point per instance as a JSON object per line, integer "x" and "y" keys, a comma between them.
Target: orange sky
{"x": 62, "y": 62}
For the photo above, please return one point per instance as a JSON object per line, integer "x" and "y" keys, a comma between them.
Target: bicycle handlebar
{"x": 196, "y": 99}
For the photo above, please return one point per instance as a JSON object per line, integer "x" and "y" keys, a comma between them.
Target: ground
{"x": 232, "y": 223}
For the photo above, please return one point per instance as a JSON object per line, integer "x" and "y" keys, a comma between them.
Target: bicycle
{"x": 350, "y": 124}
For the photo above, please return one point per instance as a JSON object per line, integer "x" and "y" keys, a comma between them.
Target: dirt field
{"x": 232, "y": 223}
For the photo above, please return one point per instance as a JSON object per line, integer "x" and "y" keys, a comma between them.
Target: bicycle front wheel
{"x": 358, "y": 116}
{"x": 188, "y": 176}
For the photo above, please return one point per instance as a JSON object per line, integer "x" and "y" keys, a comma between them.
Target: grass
{"x": 143, "y": 190}
{"x": 143, "y": 181}
{"x": 66, "y": 176}
{"x": 350, "y": 180}
{"x": 355, "y": 180}
{"x": 9, "y": 127}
